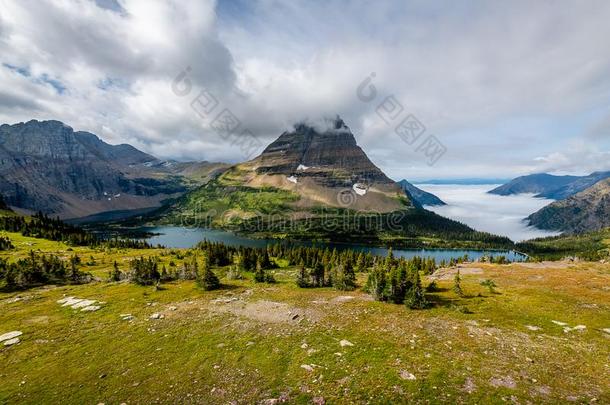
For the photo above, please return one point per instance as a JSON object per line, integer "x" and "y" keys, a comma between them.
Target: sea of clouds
{"x": 501, "y": 215}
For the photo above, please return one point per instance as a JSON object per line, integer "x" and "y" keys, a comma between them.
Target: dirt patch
{"x": 41, "y": 319}
{"x": 469, "y": 386}
{"x": 450, "y": 272}
{"x": 544, "y": 265}
{"x": 506, "y": 382}
{"x": 268, "y": 311}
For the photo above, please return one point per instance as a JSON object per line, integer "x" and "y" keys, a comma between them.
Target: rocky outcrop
{"x": 324, "y": 165}
{"x": 588, "y": 210}
{"x": 329, "y": 155}
{"x": 47, "y": 166}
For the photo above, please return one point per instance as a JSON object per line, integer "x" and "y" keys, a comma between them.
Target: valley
{"x": 304, "y": 202}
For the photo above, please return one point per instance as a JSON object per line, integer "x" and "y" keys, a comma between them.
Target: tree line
{"x": 44, "y": 227}
{"x": 40, "y": 269}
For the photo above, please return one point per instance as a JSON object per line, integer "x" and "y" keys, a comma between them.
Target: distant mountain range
{"x": 47, "y": 166}
{"x": 419, "y": 196}
{"x": 550, "y": 186}
{"x": 583, "y": 201}
{"x": 462, "y": 182}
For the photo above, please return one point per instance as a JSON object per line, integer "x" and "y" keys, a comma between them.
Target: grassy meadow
{"x": 272, "y": 343}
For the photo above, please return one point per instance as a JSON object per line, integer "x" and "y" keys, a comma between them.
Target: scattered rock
{"x": 10, "y": 335}
{"x": 543, "y": 390}
{"x": 318, "y": 401}
{"x": 83, "y": 304}
{"x": 11, "y": 342}
{"x": 157, "y": 316}
{"x": 307, "y": 367}
{"x": 173, "y": 308}
{"x": 345, "y": 343}
{"x": 127, "y": 317}
{"x": 80, "y": 303}
{"x": 469, "y": 386}
{"x": 578, "y": 328}
{"x": 606, "y": 330}
{"x": 305, "y": 346}
{"x": 271, "y": 401}
{"x": 506, "y": 382}
{"x": 560, "y": 323}
{"x": 405, "y": 375}
{"x": 69, "y": 301}
{"x": 534, "y": 328}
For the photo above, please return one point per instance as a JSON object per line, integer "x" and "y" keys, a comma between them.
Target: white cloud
{"x": 498, "y": 84}
{"x": 500, "y": 215}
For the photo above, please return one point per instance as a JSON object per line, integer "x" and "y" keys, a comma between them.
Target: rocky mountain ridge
{"x": 47, "y": 166}
{"x": 546, "y": 185}
{"x": 588, "y": 210}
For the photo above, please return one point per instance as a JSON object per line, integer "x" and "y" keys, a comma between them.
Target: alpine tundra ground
{"x": 542, "y": 337}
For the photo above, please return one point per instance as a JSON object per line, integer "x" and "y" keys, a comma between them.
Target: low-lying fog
{"x": 472, "y": 205}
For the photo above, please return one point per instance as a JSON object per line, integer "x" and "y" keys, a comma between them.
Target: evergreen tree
{"x": 399, "y": 283}
{"x": 265, "y": 260}
{"x": 361, "y": 263}
{"x": 259, "y": 275}
{"x": 302, "y": 279}
{"x": 416, "y": 297}
{"x": 376, "y": 283}
{"x": 144, "y": 271}
{"x": 206, "y": 278}
{"x": 75, "y": 274}
{"x": 345, "y": 278}
{"x": 115, "y": 273}
{"x": 317, "y": 275}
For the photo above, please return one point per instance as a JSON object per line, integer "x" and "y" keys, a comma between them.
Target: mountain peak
{"x": 326, "y": 151}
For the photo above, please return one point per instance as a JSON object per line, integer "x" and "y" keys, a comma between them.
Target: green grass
{"x": 218, "y": 352}
{"x": 588, "y": 246}
{"x": 226, "y": 206}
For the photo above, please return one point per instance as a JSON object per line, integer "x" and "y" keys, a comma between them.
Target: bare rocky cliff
{"x": 47, "y": 166}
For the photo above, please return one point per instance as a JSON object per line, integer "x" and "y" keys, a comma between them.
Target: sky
{"x": 500, "y": 88}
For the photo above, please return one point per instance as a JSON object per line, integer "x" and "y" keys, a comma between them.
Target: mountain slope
{"x": 533, "y": 183}
{"x": 576, "y": 186}
{"x": 420, "y": 196}
{"x": 588, "y": 210}
{"x": 47, "y": 166}
{"x": 318, "y": 184}
{"x": 303, "y": 170}
{"x": 550, "y": 186}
